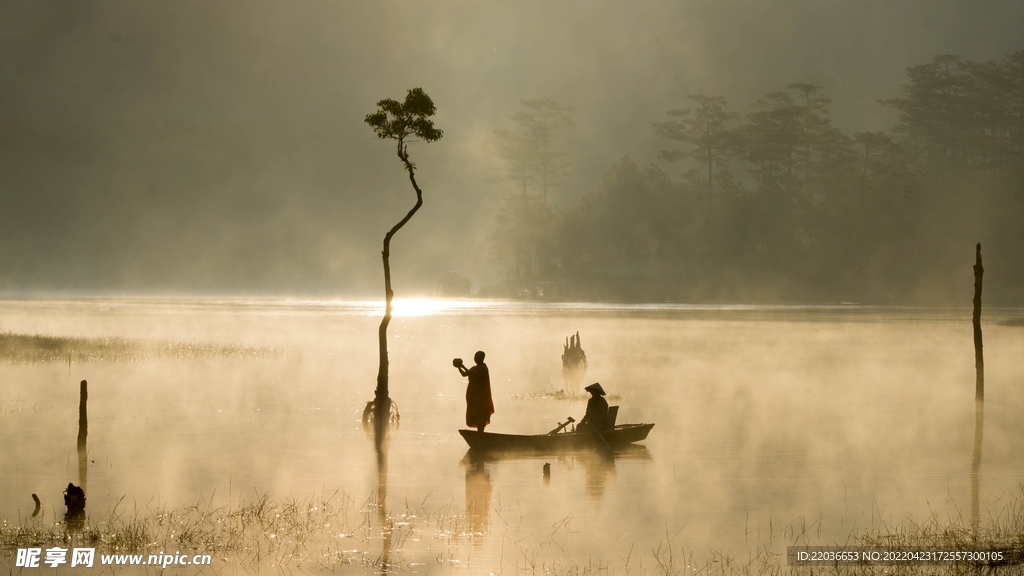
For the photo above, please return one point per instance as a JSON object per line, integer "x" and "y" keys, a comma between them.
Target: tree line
{"x": 775, "y": 203}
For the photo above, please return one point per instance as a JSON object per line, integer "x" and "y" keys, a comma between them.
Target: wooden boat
{"x": 621, "y": 435}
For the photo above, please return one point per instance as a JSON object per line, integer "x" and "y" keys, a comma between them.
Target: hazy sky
{"x": 194, "y": 146}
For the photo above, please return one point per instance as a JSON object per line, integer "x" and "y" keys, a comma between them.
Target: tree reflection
{"x": 386, "y": 526}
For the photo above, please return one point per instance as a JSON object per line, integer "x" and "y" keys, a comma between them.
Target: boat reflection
{"x": 478, "y": 496}
{"x": 598, "y": 467}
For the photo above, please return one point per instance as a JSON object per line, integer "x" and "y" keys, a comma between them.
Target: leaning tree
{"x": 405, "y": 123}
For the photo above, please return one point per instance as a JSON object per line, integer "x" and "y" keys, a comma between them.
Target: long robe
{"x": 479, "y": 406}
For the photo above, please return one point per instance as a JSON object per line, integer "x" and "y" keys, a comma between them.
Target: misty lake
{"x": 773, "y": 425}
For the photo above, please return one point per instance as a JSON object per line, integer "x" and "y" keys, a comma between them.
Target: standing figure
{"x": 479, "y": 406}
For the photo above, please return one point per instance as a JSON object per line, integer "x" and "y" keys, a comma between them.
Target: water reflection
{"x": 598, "y": 467}
{"x": 979, "y": 432}
{"x": 386, "y": 526}
{"x": 478, "y": 495}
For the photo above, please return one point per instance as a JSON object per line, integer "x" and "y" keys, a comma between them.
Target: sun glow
{"x": 408, "y": 307}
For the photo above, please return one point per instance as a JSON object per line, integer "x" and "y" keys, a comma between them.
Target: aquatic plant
{"x": 38, "y": 348}
{"x": 330, "y": 531}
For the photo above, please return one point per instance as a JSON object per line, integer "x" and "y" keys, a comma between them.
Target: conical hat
{"x": 595, "y": 388}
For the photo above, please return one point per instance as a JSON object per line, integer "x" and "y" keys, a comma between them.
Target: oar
{"x": 602, "y": 443}
{"x": 560, "y": 426}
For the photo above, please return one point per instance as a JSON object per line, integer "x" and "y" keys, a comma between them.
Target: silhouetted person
{"x": 479, "y": 405}
{"x": 597, "y": 410}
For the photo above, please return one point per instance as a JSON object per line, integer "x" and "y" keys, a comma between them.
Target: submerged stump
{"x": 574, "y": 364}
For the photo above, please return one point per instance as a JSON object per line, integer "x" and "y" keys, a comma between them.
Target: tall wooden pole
{"x": 979, "y": 356}
{"x": 83, "y": 433}
{"x": 83, "y": 416}
{"x": 979, "y": 394}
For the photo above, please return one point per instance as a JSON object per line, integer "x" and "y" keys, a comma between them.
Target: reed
{"x": 335, "y": 532}
{"x": 37, "y": 348}
{"x": 562, "y": 395}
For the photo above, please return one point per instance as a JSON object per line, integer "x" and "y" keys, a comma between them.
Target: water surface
{"x": 771, "y": 422}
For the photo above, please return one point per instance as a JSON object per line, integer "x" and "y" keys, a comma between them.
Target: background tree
{"x": 816, "y": 130}
{"x": 532, "y": 154}
{"x": 513, "y": 149}
{"x": 404, "y": 122}
{"x": 816, "y": 214}
{"x": 542, "y": 124}
{"x": 522, "y": 241}
{"x": 704, "y": 127}
{"x": 934, "y": 112}
{"x": 1013, "y": 68}
{"x": 874, "y": 144}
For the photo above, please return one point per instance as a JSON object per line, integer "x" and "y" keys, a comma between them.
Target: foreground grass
{"x": 334, "y": 532}
{"x": 320, "y": 532}
{"x": 35, "y": 348}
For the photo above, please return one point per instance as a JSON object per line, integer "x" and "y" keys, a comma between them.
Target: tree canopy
{"x": 778, "y": 204}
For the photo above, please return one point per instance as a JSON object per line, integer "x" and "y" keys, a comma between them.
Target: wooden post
{"x": 83, "y": 434}
{"x": 83, "y": 416}
{"x": 979, "y": 394}
{"x": 979, "y": 356}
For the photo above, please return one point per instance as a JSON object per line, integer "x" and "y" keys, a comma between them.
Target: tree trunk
{"x": 711, "y": 160}
{"x": 382, "y": 400}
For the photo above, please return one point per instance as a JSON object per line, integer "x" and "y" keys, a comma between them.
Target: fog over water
{"x": 196, "y": 147}
{"x": 768, "y": 420}
{"x": 760, "y": 217}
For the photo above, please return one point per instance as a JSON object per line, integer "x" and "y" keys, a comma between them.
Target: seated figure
{"x": 597, "y": 410}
